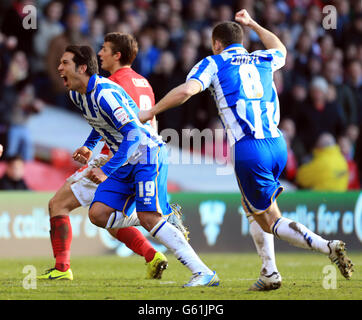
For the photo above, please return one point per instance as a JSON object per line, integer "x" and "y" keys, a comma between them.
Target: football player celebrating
{"x": 247, "y": 101}
{"x": 136, "y": 175}
{"x": 116, "y": 56}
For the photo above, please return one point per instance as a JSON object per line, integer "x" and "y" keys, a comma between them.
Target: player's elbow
{"x": 283, "y": 49}
{"x": 185, "y": 93}
{"x": 189, "y": 88}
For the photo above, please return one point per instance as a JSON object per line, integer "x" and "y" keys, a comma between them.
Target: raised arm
{"x": 174, "y": 98}
{"x": 269, "y": 39}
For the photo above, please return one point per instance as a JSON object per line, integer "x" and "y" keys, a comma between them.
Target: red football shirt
{"x": 137, "y": 87}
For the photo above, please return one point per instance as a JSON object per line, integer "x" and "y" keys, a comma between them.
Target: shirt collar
{"x": 234, "y": 46}
{"x": 92, "y": 83}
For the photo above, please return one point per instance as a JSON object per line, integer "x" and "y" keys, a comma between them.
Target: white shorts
{"x": 83, "y": 188}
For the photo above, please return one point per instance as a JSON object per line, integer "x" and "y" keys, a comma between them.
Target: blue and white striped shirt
{"x": 114, "y": 117}
{"x": 244, "y": 91}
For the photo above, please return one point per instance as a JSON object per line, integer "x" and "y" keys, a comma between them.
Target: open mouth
{"x": 65, "y": 79}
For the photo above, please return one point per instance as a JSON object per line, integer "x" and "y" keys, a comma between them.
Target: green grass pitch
{"x": 111, "y": 277}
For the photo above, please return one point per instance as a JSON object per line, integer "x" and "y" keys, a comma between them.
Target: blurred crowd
{"x": 319, "y": 87}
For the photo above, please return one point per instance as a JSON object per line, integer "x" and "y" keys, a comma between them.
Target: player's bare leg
{"x": 63, "y": 202}
{"x": 300, "y": 236}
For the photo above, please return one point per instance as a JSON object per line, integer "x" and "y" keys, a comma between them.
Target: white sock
{"x": 299, "y": 235}
{"x": 264, "y": 243}
{"x": 174, "y": 240}
{"x": 118, "y": 220}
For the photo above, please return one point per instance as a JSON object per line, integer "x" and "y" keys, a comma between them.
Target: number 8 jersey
{"x": 244, "y": 91}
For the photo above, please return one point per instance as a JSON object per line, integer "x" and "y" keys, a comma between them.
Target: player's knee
{"x": 53, "y": 206}
{"x": 97, "y": 217}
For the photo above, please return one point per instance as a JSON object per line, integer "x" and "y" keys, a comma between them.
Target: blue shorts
{"x": 258, "y": 165}
{"x": 141, "y": 186}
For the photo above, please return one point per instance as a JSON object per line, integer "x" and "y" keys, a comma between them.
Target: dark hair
{"x": 84, "y": 55}
{"x": 228, "y": 33}
{"x": 126, "y": 44}
{"x": 13, "y": 158}
{"x": 48, "y": 6}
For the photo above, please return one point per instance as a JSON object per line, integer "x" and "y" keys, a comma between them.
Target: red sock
{"x": 61, "y": 238}
{"x": 137, "y": 242}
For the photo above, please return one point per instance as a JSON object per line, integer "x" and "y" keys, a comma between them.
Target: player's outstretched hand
{"x": 243, "y": 17}
{"x": 1, "y": 150}
{"x": 145, "y": 115}
{"x": 82, "y": 155}
{"x": 96, "y": 175}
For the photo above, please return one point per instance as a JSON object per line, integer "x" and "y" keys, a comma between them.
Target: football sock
{"x": 298, "y": 235}
{"x": 174, "y": 240}
{"x": 137, "y": 242}
{"x": 264, "y": 243}
{"x": 61, "y": 239}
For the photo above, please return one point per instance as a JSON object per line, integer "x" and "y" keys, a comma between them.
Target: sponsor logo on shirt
{"x": 121, "y": 115}
{"x": 143, "y": 83}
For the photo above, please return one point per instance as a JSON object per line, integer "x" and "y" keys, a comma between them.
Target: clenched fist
{"x": 96, "y": 175}
{"x": 82, "y": 155}
{"x": 243, "y": 18}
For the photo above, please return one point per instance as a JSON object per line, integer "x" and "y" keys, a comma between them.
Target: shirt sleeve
{"x": 203, "y": 72}
{"x": 129, "y": 144}
{"x": 92, "y": 139}
{"x": 273, "y": 56}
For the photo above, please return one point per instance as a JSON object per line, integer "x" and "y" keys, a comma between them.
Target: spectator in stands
{"x": 328, "y": 169}
{"x": 12, "y": 25}
{"x": 19, "y": 93}
{"x": 162, "y": 80}
{"x": 49, "y": 26}
{"x": 71, "y": 35}
{"x": 318, "y": 115}
{"x": 302, "y": 54}
{"x": 345, "y": 145}
{"x": 13, "y": 179}
{"x": 161, "y": 13}
{"x": 293, "y": 100}
{"x": 177, "y": 32}
{"x": 110, "y": 17}
{"x": 148, "y": 54}
{"x": 287, "y": 125}
{"x": 345, "y": 99}
{"x": 205, "y": 49}
{"x": 8, "y": 46}
{"x": 354, "y": 81}
{"x": 161, "y": 38}
{"x": 197, "y": 14}
{"x": 19, "y": 137}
